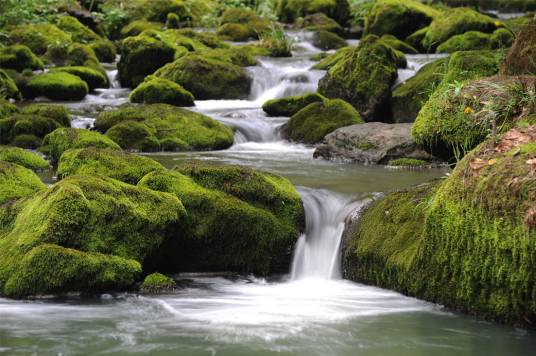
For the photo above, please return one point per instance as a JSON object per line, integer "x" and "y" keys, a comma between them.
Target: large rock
{"x": 93, "y": 77}
{"x": 39, "y": 37}
{"x": 520, "y": 59}
{"x": 56, "y": 86}
{"x": 157, "y": 90}
{"x": 17, "y": 182}
{"x": 25, "y": 158}
{"x": 371, "y": 143}
{"x": 290, "y": 105}
{"x": 290, "y": 10}
{"x": 19, "y": 57}
{"x": 475, "y": 40}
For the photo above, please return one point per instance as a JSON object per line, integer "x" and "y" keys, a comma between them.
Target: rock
{"x": 19, "y": 57}
{"x": 7, "y": 109}
{"x": 290, "y": 10}
{"x": 104, "y": 50}
{"x": 475, "y": 40}
{"x": 400, "y": 18}
{"x": 329, "y": 60}
{"x": 93, "y": 78}
{"x": 57, "y": 112}
{"x": 39, "y": 37}
{"x": 136, "y": 27}
{"x": 398, "y": 44}
{"x": 56, "y": 86}
{"x": 520, "y": 58}
{"x": 208, "y": 78}
{"x": 320, "y": 22}
{"x": 24, "y": 158}
{"x": 327, "y": 40}
{"x": 16, "y": 182}
{"x": 415, "y": 39}
{"x": 79, "y": 32}
{"x": 161, "y": 126}
{"x": 290, "y": 105}
{"x": 363, "y": 77}
{"x": 241, "y": 24}
{"x": 371, "y": 143}
{"x": 243, "y": 56}
{"x": 8, "y": 88}
{"x": 235, "y": 32}
{"x": 409, "y": 97}
{"x": 158, "y": 90}
{"x": 157, "y": 283}
{"x": 63, "y": 139}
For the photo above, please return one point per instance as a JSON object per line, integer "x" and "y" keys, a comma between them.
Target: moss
{"x": 208, "y": 78}
{"x": 235, "y": 32}
{"x": 7, "y": 109}
{"x": 93, "y": 78}
{"x": 177, "y": 40}
{"x": 243, "y": 56}
{"x": 241, "y": 24}
{"x": 158, "y": 90}
{"x": 331, "y": 59}
{"x": 475, "y": 40}
{"x": 455, "y": 22}
{"x": 407, "y": 162}
{"x": 327, "y": 40}
{"x": 8, "y": 88}
{"x": 157, "y": 283}
{"x": 208, "y": 39}
{"x": 290, "y": 10}
{"x": 289, "y": 106}
{"x": 363, "y": 77}
{"x": 409, "y": 97}
{"x": 23, "y": 158}
{"x": 17, "y": 182}
{"x": 516, "y": 24}
{"x": 316, "y": 120}
{"x": 250, "y": 219}
{"x": 57, "y": 112}
{"x": 141, "y": 56}
{"x": 104, "y": 50}
{"x": 137, "y": 27}
{"x": 320, "y": 22}
{"x": 63, "y": 139}
{"x": 79, "y": 32}
{"x": 19, "y": 57}
{"x": 172, "y": 20}
{"x": 400, "y": 18}
{"x": 108, "y": 162}
{"x": 56, "y": 86}
{"x": 84, "y": 234}
{"x": 520, "y": 58}
{"x": 39, "y": 37}
{"x": 180, "y": 129}
{"x": 398, "y": 44}
{"x": 237, "y": 15}
{"x": 416, "y": 39}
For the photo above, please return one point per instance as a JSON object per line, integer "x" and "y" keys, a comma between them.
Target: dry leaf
{"x": 477, "y": 164}
{"x": 492, "y": 161}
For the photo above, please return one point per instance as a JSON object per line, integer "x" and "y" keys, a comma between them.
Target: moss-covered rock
{"x": 407, "y": 162}
{"x": 400, "y": 18}
{"x": 416, "y": 39}
{"x": 316, "y": 120}
{"x": 239, "y": 219}
{"x": 57, "y": 112}
{"x": 63, "y": 139}
{"x": 398, "y": 44}
{"x": 328, "y": 40}
{"x": 158, "y": 90}
{"x": 56, "y": 86}
{"x": 363, "y": 77}
{"x": 157, "y": 283}
{"x": 17, "y": 182}
{"x": 520, "y": 58}
{"x": 290, "y": 105}
{"x": 104, "y": 50}
{"x": 236, "y": 32}
{"x": 331, "y": 59}
{"x": 208, "y": 78}
{"x": 161, "y": 126}
{"x": 8, "y": 88}
{"x": 243, "y": 55}
{"x": 78, "y": 31}
{"x": 475, "y": 40}
{"x": 93, "y": 78}
{"x": 320, "y": 22}
{"x": 72, "y": 238}
{"x": 39, "y": 37}
{"x": 409, "y": 97}
{"x": 23, "y": 158}
{"x": 7, "y": 108}
{"x": 138, "y": 26}
{"x": 241, "y": 24}
{"x": 19, "y": 58}
{"x": 290, "y": 10}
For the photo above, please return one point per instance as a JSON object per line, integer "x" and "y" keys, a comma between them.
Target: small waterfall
{"x": 317, "y": 252}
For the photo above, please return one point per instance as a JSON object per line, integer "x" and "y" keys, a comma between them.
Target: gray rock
{"x": 371, "y": 143}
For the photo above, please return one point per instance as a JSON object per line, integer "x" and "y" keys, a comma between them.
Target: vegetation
{"x": 17, "y": 182}
{"x": 289, "y": 106}
{"x": 23, "y": 158}
{"x": 157, "y": 283}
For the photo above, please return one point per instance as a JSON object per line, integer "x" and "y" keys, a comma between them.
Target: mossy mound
{"x": 19, "y": 58}
{"x": 331, "y": 59}
{"x": 520, "y": 58}
{"x": 236, "y": 32}
{"x": 407, "y": 162}
{"x": 320, "y": 22}
{"x": 57, "y": 112}
{"x": 455, "y": 22}
{"x": 70, "y": 238}
{"x": 208, "y": 39}
{"x": 243, "y": 55}
{"x": 400, "y": 18}
{"x": 63, "y": 139}
{"x": 78, "y": 31}
{"x": 157, "y": 283}
{"x": 23, "y": 158}
{"x": 108, "y": 162}
{"x": 208, "y": 78}
{"x": 290, "y": 10}
{"x": 56, "y": 86}
{"x": 39, "y": 37}
{"x": 157, "y": 90}
{"x": 7, "y": 108}
{"x": 104, "y": 50}
{"x": 241, "y": 24}
{"x": 363, "y": 76}
{"x": 316, "y": 120}
{"x": 17, "y": 182}
{"x": 409, "y": 97}
{"x": 289, "y": 106}
{"x": 475, "y": 40}
{"x": 398, "y": 44}
{"x": 163, "y": 127}
{"x": 8, "y": 88}
{"x": 136, "y": 27}
{"x": 93, "y": 78}
{"x": 328, "y": 40}
{"x": 239, "y": 219}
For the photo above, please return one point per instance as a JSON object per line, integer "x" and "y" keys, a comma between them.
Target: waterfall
{"x": 317, "y": 252}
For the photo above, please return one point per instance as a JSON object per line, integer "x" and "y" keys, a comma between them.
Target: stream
{"x": 310, "y": 311}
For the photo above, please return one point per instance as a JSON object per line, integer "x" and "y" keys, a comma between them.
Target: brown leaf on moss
{"x": 477, "y": 164}
{"x": 530, "y": 217}
{"x": 515, "y": 138}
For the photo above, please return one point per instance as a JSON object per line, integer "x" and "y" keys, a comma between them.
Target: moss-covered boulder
{"x": 93, "y": 78}
{"x": 57, "y": 112}
{"x": 290, "y": 10}
{"x": 320, "y": 22}
{"x": 23, "y": 158}
{"x": 241, "y": 24}
{"x": 208, "y": 78}
{"x": 7, "y": 108}
{"x": 455, "y": 22}
{"x": 104, "y": 50}
{"x": 239, "y": 219}
{"x": 141, "y": 56}
{"x": 163, "y": 127}
{"x": 17, "y": 182}
{"x": 157, "y": 90}
{"x": 71, "y": 238}
{"x": 398, "y": 44}
{"x": 316, "y": 120}
{"x": 243, "y": 55}
{"x": 475, "y": 40}
{"x": 363, "y": 77}
{"x": 400, "y": 18}
{"x": 157, "y": 283}
{"x": 39, "y": 37}
{"x": 78, "y": 31}
{"x": 409, "y": 97}
{"x": 56, "y": 86}
{"x": 520, "y": 58}
{"x": 19, "y": 57}
{"x": 138, "y": 26}
{"x": 328, "y": 40}
{"x": 63, "y": 139}
{"x": 290, "y": 105}
{"x": 235, "y": 32}
{"x": 8, "y": 88}
{"x": 108, "y": 162}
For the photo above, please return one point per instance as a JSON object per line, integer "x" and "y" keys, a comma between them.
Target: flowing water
{"x": 310, "y": 311}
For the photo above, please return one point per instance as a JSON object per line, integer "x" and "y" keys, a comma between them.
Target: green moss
{"x": 239, "y": 55}
{"x": 17, "y": 182}
{"x": 177, "y": 40}
{"x": 236, "y": 32}
{"x": 56, "y": 86}
{"x": 79, "y": 32}
{"x": 63, "y": 139}
{"x": 180, "y": 129}
{"x": 7, "y": 109}
{"x": 104, "y": 50}
{"x": 57, "y": 112}
{"x": 108, "y": 162}
{"x": 407, "y": 162}
{"x": 39, "y": 37}
{"x": 237, "y": 15}
{"x": 475, "y": 40}
{"x": 416, "y": 39}
{"x": 93, "y": 78}
{"x": 208, "y": 39}
{"x": 157, "y": 283}
{"x": 363, "y": 77}
{"x": 172, "y": 20}
{"x": 289, "y": 106}
{"x": 19, "y": 57}
{"x": 316, "y": 120}
{"x": 327, "y": 40}
{"x": 400, "y": 18}
{"x": 520, "y": 58}
{"x": 158, "y": 90}
{"x": 23, "y": 158}
{"x": 290, "y": 10}
{"x": 332, "y": 59}
{"x": 8, "y": 88}
{"x": 320, "y": 22}
{"x": 398, "y": 44}
{"x": 207, "y": 78}
{"x": 137, "y": 27}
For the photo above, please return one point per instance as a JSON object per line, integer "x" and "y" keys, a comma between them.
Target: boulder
{"x": 93, "y": 78}
{"x": 8, "y": 88}
{"x": 398, "y": 44}
{"x": 290, "y": 10}
{"x": 17, "y": 182}
{"x": 290, "y": 105}
{"x": 475, "y": 40}
{"x": 39, "y": 37}
{"x": 157, "y": 283}
{"x": 24, "y": 158}
{"x": 104, "y": 50}
{"x": 19, "y": 57}
{"x": 157, "y": 90}
{"x": 328, "y": 40}
{"x": 56, "y": 86}
{"x": 321, "y": 22}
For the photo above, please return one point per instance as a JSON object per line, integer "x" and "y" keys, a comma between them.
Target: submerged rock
{"x": 156, "y": 283}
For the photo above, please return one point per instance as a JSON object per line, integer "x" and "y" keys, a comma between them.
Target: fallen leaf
{"x": 492, "y": 161}
{"x": 477, "y": 164}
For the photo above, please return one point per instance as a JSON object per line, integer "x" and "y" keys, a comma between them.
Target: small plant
{"x": 279, "y": 44}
